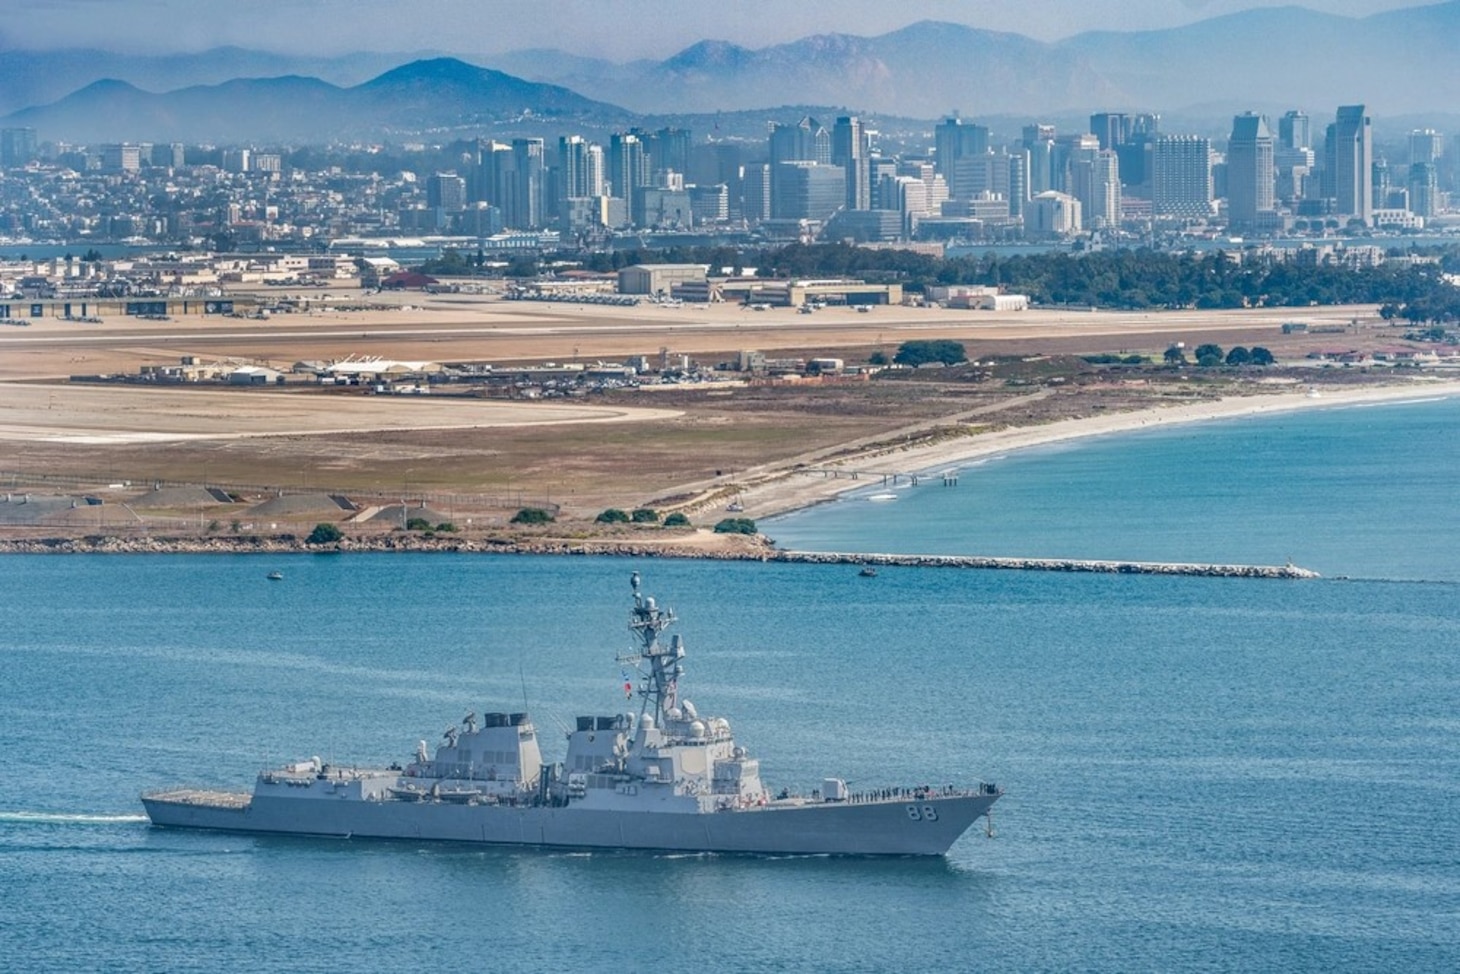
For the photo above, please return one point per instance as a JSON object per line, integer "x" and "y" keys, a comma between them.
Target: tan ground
{"x": 698, "y": 448}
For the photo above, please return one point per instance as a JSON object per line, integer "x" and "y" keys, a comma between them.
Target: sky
{"x": 615, "y": 29}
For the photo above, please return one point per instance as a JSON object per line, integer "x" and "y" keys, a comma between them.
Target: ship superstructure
{"x": 664, "y": 777}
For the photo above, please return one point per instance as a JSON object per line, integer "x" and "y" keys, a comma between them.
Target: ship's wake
{"x": 60, "y": 818}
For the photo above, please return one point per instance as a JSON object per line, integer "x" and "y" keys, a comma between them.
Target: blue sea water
{"x": 1202, "y": 774}
{"x": 1363, "y": 490}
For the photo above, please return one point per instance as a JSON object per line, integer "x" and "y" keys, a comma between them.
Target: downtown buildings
{"x": 1125, "y": 179}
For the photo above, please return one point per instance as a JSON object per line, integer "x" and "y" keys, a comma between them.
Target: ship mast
{"x": 660, "y": 688}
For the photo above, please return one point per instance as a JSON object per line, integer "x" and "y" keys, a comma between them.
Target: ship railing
{"x": 917, "y": 793}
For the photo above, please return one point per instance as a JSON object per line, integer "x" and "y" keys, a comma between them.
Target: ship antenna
{"x": 646, "y": 622}
{"x": 523, "y": 678}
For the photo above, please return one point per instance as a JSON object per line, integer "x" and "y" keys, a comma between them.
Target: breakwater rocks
{"x": 1050, "y": 565}
{"x": 737, "y": 549}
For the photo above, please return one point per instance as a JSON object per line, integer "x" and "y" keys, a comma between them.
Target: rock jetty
{"x": 736, "y": 549}
{"x": 1050, "y": 565}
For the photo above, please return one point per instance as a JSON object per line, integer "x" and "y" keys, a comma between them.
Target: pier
{"x": 1048, "y": 565}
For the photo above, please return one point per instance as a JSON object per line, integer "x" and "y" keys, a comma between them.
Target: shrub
{"x": 324, "y": 533}
{"x": 925, "y": 351}
{"x": 418, "y": 524}
{"x": 677, "y": 520}
{"x": 533, "y": 515}
{"x": 736, "y": 525}
{"x": 446, "y": 527}
{"x": 612, "y": 516}
{"x": 644, "y": 515}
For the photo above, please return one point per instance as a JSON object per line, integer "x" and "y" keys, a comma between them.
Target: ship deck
{"x": 201, "y": 798}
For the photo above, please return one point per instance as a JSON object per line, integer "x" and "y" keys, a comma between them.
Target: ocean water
{"x": 1201, "y": 774}
{"x": 1365, "y": 491}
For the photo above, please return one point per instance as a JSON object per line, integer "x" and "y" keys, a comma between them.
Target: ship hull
{"x": 924, "y": 827}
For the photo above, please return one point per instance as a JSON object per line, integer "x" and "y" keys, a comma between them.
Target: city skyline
{"x": 600, "y": 29}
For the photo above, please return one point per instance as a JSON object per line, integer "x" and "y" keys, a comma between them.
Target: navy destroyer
{"x": 664, "y": 778}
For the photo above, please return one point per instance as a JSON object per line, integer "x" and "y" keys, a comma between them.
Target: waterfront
{"x": 1358, "y": 488}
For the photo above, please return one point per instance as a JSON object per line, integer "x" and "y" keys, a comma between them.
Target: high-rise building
{"x": 628, "y": 167}
{"x": 1349, "y": 154}
{"x": 1294, "y": 131}
{"x": 1181, "y": 176}
{"x": 525, "y": 209}
{"x": 1424, "y": 189}
{"x": 446, "y": 191}
{"x": 237, "y": 160}
{"x": 127, "y": 157}
{"x": 1095, "y": 182}
{"x": 169, "y": 156}
{"x": 806, "y": 141}
{"x": 580, "y": 167}
{"x": 669, "y": 149}
{"x": 955, "y": 139}
{"x": 851, "y": 149}
{"x": 1425, "y": 145}
{"x": 756, "y": 182}
{"x": 17, "y": 147}
{"x": 1111, "y": 128}
{"x": 986, "y": 173}
{"x": 1251, "y": 176}
{"x": 805, "y": 190}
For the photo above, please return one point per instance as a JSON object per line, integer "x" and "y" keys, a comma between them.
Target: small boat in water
{"x": 275, "y": 576}
{"x": 867, "y": 572}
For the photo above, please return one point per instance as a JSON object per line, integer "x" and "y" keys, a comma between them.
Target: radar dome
{"x": 675, "y": 713}
{"x": 697, "y": 729}
{"x": 647, "y": 722}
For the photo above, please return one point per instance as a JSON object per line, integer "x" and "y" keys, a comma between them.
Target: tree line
{"x": 1128, "y": 279}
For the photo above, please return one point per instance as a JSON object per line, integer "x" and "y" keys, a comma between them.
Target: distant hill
{"x": 923, "y": 70}
{"x": 1400, "y": 63}
{"x": 432, "y": 95}
{"x": 29, "y": 78}
{"x": 1396, "y": 62}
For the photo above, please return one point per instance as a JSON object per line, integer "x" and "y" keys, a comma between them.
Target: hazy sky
{"x": 615, "y": 29}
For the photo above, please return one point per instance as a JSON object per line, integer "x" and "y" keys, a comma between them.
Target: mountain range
{"x": 439, "y": 95}
{"x": 1399, "y": 62}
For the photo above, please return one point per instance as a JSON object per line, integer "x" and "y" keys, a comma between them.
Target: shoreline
{"x": 792, "y": 492}
{"x": 778, "y": 493}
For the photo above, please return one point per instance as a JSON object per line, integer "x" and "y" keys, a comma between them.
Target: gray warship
{"x": 665, "y": 778}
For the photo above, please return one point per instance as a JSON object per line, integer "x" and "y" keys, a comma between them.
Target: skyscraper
{"x": 1294, "y": 131}
{"x": 1350, "y": 157}
{"x": 525, "y": 207}
{"x": 1095, "y": 182}
{"x": 1181, "y": 176}
{"x": 1424, "y": 189}
{"x": 851, "y": 150}
{"x": 1111, "y": 128}
{"x": 955, "y": 139}
{"x": 806, "y": 141}
{"x": 1251, "y": 178}
{"x": 628, "y": 167}
{"x": 1425, "y": 145}
{"x": 17, "y": 147}
{"x": 803, "y": 190}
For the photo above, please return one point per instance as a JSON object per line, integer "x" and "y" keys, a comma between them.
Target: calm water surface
{"x": 1202, "y": 774}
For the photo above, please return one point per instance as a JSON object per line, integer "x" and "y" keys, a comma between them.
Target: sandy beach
{"x": 784, "y": 491}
